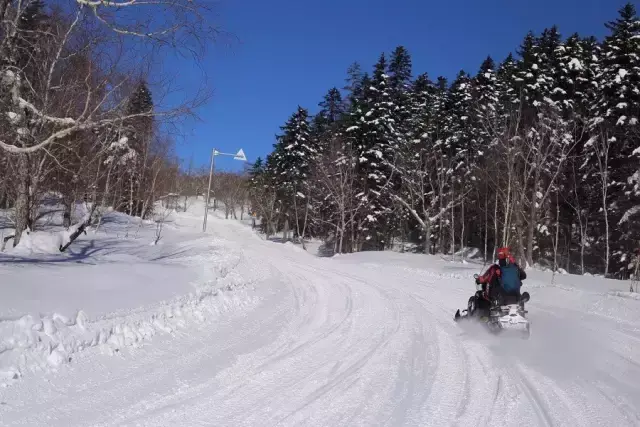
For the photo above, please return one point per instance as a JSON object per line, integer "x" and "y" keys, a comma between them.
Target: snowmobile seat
{"x": 511, "y": 299}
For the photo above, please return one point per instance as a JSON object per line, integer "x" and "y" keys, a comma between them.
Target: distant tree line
{"x": 539, "y": 152}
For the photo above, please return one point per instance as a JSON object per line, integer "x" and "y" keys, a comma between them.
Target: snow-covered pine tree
{"x": 488, "y": 122}
{"x": 420, "y": 111}
{"x": 411, "y": 157}
{"x": 325, "y": 122}
{"x": 400, "y": 89}
{"x": 617, "y": 129}
{"x": 486, "y": 108}
{"x": 354, "y": 84}
{"x": 437, "y": 149}
{"x": 294, "y": 154}
{"x": 509, "y": 86}
{"x": 550, "y": 69}
{"x": 380, "y": 141}
{"x": 326, "y": 130}
{"x": 139, "y": 131}
{"x": 461, "y": 147}
{"x": 578, "y": 196}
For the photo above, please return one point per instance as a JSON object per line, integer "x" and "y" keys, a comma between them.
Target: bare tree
{"x": 425, "y": 181}
{"x": 71, "y": 84}
{"x": 599, "y": 147}
{"x": 336, "y": 178}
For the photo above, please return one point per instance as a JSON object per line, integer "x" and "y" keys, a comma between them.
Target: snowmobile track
{"x": 356, "y": 340}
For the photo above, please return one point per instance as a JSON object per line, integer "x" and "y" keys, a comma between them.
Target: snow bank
{"x": 39, "y": 344}
{"x": 629, "y": 295}
{"x": 108, "y": 291}
{"x": 37, "y": 242}
{"x": 42, "y": 242}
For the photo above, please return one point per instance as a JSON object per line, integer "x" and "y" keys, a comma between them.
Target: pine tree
{"x": 294, "y": 152}
{"x": 380, "y": 143}
{"x": 140, "y": 103}
{"x": 437, "y": 123}
{"x": 420, "y": 113}
{"x": 354, "y": 83}
{"x": 400, "y": 70}
{"x": 487, "y": 109}
{"x": 255, "y": 171}
{"x": 620, "y": 78}
{"x": 139, "y": 128}
{"x": 617, "y": 122}
{"x": 332, "y": 110}
{"x": 550, "y": 69}
{"x": 400, "y": 91}
{"x": 509, "y": 86}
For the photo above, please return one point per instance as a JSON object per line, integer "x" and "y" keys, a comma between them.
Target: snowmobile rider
{"x": 500, "y": 284}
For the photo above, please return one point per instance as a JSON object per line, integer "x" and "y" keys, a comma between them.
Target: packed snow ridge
{"x": 40, "y": 326}
{"x": 41, "y": 343}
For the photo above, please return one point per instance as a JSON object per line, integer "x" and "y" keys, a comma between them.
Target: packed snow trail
{"x": 357, "y": 340}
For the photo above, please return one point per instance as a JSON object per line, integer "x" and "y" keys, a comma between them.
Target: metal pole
{"x": 206, "y": 201}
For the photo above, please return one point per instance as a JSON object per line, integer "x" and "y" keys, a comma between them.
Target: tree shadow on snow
{"x": 80, "y": 254}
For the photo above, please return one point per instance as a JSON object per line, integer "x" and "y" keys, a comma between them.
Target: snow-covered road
{"x": 361, "y": 340}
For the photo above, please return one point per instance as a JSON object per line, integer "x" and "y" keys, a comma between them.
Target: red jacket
{"x": 492, "y": 274}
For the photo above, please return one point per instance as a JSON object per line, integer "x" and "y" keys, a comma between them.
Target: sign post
{"x": 237, "y": 156}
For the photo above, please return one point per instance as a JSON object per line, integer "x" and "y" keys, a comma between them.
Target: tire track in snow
{"x": 346, "y": 373}
{"x": 374, "y": 345}
{"x": 409, "y": 406}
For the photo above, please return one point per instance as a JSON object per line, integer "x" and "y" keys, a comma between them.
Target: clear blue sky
{"x": 290, "y": 52}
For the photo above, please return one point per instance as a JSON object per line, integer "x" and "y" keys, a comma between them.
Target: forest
{"x": 539, "y": 152}
{"x": 79, "y": 120}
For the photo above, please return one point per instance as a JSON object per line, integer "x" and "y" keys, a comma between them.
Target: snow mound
{"x": 629, "y": 295}
{"x": 468, "y": 253}
{"x": 43, "y": 343}
{"x": 42, "y": 242}
{"x": 110, "y": 291}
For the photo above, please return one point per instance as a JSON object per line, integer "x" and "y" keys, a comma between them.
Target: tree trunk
{"x": 519, "y": 236}
{"x": 22, "y": 198}
{"x": 342, "y": 227}
{"x": 3, "y": 193}
{"x": 606, "y": 228}
{"x": 427, "y": 236}
{"x": 441, "y": 229}
{"x": 462, "y": 256}
{"x": 453, "y": 226}
{"x": 583, "y": 242}
{"x": 66, "y": 215}
{"x": 131, "y": 213}
{"x": 568, "y": 243}
{"x": 495, "y": 227}
{"x": 557, "y": 238}
{"x": 285, "y": 231}
{"x": 304, "y": 225}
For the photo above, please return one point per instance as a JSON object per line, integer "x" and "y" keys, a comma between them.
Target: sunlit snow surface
{"x": 227, "y": 329}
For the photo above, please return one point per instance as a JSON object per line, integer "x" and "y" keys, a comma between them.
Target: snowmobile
{"x": 505, "y": 314}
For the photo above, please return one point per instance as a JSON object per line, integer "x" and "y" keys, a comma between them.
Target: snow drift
{"x": 111, "y": 291}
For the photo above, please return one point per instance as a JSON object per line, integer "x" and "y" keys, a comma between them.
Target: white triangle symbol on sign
{"x": 240, "y": 155}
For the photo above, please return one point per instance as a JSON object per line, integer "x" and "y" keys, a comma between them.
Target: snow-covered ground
{"x": 295, "y": 339}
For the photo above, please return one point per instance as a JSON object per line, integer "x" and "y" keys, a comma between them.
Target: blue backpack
{"x": 510, "y": 278}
